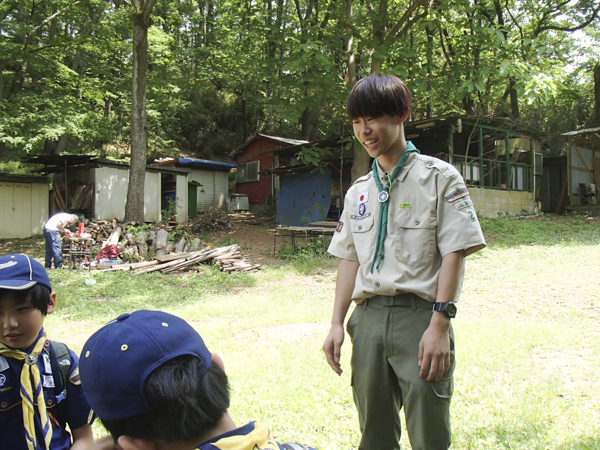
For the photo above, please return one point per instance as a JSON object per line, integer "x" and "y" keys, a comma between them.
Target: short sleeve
{"x": 342, "y": 242}
{"x": 458, "y": 227}
{"x": 78, "y": 409}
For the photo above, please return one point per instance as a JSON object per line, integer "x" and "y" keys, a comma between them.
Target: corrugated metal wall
{"x": 24, "y": 208}
{"x": 214, "y": 190}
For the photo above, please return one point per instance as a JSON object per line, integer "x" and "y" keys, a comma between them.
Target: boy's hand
{"x": 332, "y": 347}
{"x": 106, "y": 443}
{"x": 434, "y": 348}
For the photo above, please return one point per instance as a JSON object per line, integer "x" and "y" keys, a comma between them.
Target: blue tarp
{"x": 303, "y": 198}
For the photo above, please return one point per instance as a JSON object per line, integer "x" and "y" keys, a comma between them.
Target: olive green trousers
{"x": 385, "y": 333}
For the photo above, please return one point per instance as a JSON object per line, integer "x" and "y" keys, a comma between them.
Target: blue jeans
{"x": 53, "y": 248}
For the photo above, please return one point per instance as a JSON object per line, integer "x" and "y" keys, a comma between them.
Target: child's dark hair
{"x": 378, "y": 95}
{"x": 38, "y": 294}
{"x": 185, "y": 405}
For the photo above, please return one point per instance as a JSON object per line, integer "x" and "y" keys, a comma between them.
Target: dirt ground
{"x": 254, "y": 233}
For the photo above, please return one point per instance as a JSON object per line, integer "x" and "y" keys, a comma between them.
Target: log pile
{"x": 163, "y": 248}
{"x": 228, "y": 259}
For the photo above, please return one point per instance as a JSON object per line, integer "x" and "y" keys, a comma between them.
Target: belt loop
{"x": 413, "y": 302}
{"x": 366, "y": 302}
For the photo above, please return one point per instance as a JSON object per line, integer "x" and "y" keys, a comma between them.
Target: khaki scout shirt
{"x": 430, "y": 215}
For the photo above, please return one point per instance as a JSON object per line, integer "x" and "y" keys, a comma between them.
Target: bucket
{"x": 81, "y": 228}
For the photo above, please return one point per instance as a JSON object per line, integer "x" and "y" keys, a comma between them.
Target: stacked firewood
{"x": 226, "y": 258}
{"x": 171, "y": 250}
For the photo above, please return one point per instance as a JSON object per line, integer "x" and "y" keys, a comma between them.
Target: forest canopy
{"x": 219, "y": 72}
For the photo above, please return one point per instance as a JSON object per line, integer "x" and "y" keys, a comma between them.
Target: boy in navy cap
{"x": 154, "y": 384}
{"x": 40, "y": 391}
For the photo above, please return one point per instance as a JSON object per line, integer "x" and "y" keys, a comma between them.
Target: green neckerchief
{"x": 383, "y": 197}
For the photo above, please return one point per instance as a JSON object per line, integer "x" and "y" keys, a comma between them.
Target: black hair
{"x": 378, "y": 95}
{"x": 186, "y": 405}
{"x": 39, "y": 295}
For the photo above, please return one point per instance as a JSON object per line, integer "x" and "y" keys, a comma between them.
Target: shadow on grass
{"x": 543, "y": 230}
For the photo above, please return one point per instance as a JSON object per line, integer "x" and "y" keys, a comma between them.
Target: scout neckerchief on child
{"x": 32, "y": 393}
{"x": 383, "y": 197}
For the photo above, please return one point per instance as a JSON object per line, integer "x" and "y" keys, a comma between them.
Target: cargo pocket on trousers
{"x": 444, "y": 388}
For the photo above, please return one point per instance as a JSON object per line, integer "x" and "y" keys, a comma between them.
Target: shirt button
{"x": 430, "y": 164}
{"x": 360, "y": 227}
{"x": 377, "y": 285}
{"x": 417, "y": 222}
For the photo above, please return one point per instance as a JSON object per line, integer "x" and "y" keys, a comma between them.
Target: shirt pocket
{"x": 415, "y": 244}
{"x": 9, "y": 395}
{"x": 362, "y": 234}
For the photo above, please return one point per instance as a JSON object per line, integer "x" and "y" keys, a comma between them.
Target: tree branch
{"x": 48, "y": 19}
{"x": 404, "y": 20}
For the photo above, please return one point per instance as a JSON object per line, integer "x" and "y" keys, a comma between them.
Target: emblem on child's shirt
{"x": 361, "y": 209}
{"x": 360, "y": 217}
{"x": 48, "y": 381}
{"x": 455, "y": 192}
{"x": 339, "y": 227}
{"x": 383, "y": 196}
{"x": 363, "y": 196}
{"x": 74, "y": 378}
{"x": 402, "y": 206}
{"x": 47, "y": 365}
{"x": 3, "y": 364}
{"x": 2, "y": 379}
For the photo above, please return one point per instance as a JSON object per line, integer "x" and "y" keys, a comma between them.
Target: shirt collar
{"x": 407, "y": 165}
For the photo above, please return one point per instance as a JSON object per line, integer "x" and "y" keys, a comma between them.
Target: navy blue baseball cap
{"x": 118, "y": 358}
{"x": 20, "y": 272}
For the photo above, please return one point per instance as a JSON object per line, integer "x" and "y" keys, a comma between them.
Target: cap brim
{"x": 17, "y": 285}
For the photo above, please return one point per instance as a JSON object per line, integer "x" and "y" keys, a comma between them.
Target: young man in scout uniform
{"x": 155, "y": 386}
{"x": 402, "y": 239}
{"x": 40, "y": 391}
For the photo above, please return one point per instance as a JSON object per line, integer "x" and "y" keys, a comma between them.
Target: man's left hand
{"x": 434, "y": 348}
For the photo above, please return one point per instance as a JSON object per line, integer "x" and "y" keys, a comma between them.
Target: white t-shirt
{"x": 62, "y": 218}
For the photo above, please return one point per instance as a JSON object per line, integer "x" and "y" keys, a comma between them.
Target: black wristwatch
{"x": 448, "y": 309}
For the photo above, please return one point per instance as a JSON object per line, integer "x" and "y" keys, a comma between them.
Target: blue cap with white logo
{"x": 20, "y": 272}
{"x": 118, "y": 358}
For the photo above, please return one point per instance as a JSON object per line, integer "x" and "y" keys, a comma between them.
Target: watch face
{"x": 451, "y": 310}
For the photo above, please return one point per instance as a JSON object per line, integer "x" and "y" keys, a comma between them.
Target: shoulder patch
{"x": 3, "y": 364}
{"x": 74, "y": 377}
{"x": 465, "y": 203}
{"x": 339, "y": 226}
{"x": 456, "y": 191}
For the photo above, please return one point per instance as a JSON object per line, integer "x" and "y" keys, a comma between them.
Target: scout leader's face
{"x": 381, "y": 136}
{"x": 20, "y": 321}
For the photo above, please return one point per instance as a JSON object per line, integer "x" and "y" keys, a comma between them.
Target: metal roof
{"x": 585, "y": 130}
{"x": 206, "y": 164}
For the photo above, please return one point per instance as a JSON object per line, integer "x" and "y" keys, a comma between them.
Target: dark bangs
{"x": 378, "y": 95}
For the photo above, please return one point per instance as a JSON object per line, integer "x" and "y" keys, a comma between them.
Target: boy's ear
{"x": 404, "y": 115}
{"x": 217, "y": 359}
{"x": 51, "y": 303}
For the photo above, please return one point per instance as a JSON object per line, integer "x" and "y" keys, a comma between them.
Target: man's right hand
{"x": 332, "y": 347}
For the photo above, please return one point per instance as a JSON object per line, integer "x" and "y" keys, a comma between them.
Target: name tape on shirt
{"x": 455, "y": 192}
{"x": 403, "y": 206}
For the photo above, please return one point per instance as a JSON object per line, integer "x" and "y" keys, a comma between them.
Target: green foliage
{"x": 221, "y": 72}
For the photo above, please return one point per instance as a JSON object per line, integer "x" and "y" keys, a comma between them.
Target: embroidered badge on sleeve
{"x": 75, "y": 378}
{"x": 455, "y": 192}
{"x": 363, "y": 196}
{"x": 339, "y": 227}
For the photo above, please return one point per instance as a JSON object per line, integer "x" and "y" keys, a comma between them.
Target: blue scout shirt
{"x": 74, "y": 409}
{"x": 253, "y": 436}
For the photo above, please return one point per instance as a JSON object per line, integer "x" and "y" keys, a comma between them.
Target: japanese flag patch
{"x": 363, "y": 196}
{"x": 455, "y": 192}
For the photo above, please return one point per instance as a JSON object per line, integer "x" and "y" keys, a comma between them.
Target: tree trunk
{"x": 597, "y": 94}
{"x": 306, "y": 114}
{"x": 350, "y": 46}
{"x": 514, "y": 99}
{"x": 134, "y": 208}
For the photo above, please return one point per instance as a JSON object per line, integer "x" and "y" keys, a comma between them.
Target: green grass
{"x": 527, "y": 332}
